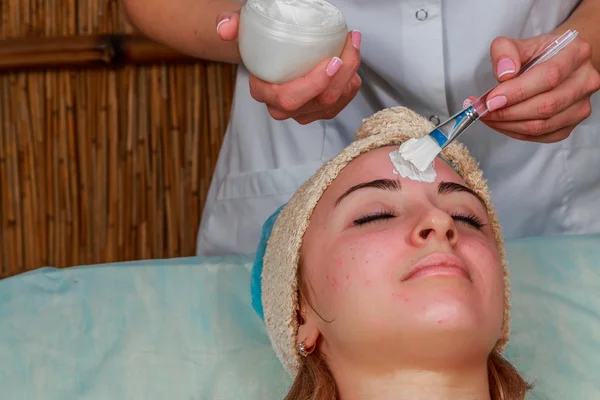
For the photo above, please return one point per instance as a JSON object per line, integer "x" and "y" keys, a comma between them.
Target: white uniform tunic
{"x": 428, "y": 55}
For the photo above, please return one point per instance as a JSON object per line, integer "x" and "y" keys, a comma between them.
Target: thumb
{"x": 509, "y": 55}
{"x": 506, "y": 58}
{"x": 227, "y": 25}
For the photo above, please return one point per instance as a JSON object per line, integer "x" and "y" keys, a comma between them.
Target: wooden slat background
{"x": 102, "y": 165}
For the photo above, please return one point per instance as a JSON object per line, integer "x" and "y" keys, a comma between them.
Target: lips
{"x": 438, "y": 264}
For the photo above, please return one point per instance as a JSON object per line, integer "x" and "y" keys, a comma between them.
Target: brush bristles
{"x": 421, "y": 153}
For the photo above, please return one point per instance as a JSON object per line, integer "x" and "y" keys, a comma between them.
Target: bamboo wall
{"x": 102, "y": 165}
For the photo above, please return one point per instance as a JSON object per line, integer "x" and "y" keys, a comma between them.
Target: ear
{"x": 308, "y": 331}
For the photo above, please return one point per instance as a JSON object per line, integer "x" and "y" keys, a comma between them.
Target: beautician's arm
{"x": 190, "y": 26}
{"x": 185, "y": 25}
{"x": 586, "y": 20}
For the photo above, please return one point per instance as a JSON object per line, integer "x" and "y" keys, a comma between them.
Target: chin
{"x": 451, "y": 305}
{"x": 427, "y": 344}
{"x": 464, "y": 327}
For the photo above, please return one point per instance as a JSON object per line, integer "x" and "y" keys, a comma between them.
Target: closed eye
{"x": 375, "y": 217}
{"x": 471, "y": 220}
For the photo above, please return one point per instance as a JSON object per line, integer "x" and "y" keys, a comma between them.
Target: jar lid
{"x": 306, "y": 15}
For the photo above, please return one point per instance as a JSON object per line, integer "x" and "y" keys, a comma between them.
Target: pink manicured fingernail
{"x": 356, "y": 39}
{"x": 334, "y": 66}
{"x": 467, "y": 103}
{"x": 221, "y": 22}
{"x": 496, "y": 103}
{"x": 505, "y": 66}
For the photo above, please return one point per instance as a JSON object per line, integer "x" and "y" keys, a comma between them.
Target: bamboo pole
{"x": 84, "y": 51}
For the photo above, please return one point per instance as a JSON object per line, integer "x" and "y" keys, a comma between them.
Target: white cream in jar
{"x": 281, "y": 40}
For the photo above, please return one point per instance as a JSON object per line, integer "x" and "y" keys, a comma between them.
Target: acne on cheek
{"x": 344, "y": 276}
{"x": 359, "y": 263}
{"x": 371, "y": 269}
{"x": 333, "y": 283}
{"x": 400, "y": 297}
{"x": 366, "y": 277}
{"x": 345, "y": 266}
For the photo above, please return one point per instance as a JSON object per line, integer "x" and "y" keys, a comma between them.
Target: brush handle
{"x": 446, "y": 132}
{"x": 480, "y": 105}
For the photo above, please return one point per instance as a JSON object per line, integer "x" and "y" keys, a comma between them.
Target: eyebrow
{"x": 453, "y": 187}
{"x": 394, "y": 185}
{"x": 382, "y": 184}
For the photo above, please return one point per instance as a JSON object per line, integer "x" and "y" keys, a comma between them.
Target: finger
{"x": 540, "y": 79}
{"x": 555, "y": 136}
{"x": 290, "y": 96}
{"x": 506, "y": 57}
{"x": 327, "y": 81}
{"x": 552, "y": 137}
{"x": 227, "y": 25}
{"x": 506, "y": 52}
{"x": 316, "y": 105}
{"x": 469, "y": 101}
{"x": 331, "y": 112}
{"x": 539, "y": 127}
{"x": 313, "y": 111}
{"x": 580, "y": 84}
{"x": 351, "y": 61}
{"x": 313, "y": 108}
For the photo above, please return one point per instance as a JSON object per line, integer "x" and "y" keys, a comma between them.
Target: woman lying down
{"x": 378, "y": 286}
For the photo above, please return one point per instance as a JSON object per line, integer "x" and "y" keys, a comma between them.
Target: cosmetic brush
{"x": 422, "y": 152}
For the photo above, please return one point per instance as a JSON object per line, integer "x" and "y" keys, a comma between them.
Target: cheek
{"x": 358, "y": 272}
{"x": 483, "y": 256}
{"x": 366, "y": 262}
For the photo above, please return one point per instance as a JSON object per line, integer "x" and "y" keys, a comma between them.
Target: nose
{"x": 435, "y": 225}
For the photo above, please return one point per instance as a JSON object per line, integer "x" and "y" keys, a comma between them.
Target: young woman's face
{"x": 400, "y": 266}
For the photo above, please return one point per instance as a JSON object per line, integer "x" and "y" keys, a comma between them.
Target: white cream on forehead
{"x": 303, "y": 13}
{"x": 406, "y": 169}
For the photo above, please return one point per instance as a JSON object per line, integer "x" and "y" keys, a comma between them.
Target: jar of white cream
{"x": 281, "y": 40}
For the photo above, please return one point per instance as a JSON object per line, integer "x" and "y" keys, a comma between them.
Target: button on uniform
{"x": 421, "y": 14}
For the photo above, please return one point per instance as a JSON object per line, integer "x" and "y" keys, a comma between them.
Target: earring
{"x": 304, "y": 352}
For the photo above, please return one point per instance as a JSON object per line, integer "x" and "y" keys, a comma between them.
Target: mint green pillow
{"x": 185, "y": 328}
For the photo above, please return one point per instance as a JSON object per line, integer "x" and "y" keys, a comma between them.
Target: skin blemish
{"x": 368, "y": 282}
{"x": 399, "y": 297}
{"x": 347, "y": 277}
{"x": 335, "y": 285}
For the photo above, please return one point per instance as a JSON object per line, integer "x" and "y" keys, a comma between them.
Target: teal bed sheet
{"x": 185, "y": 329}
